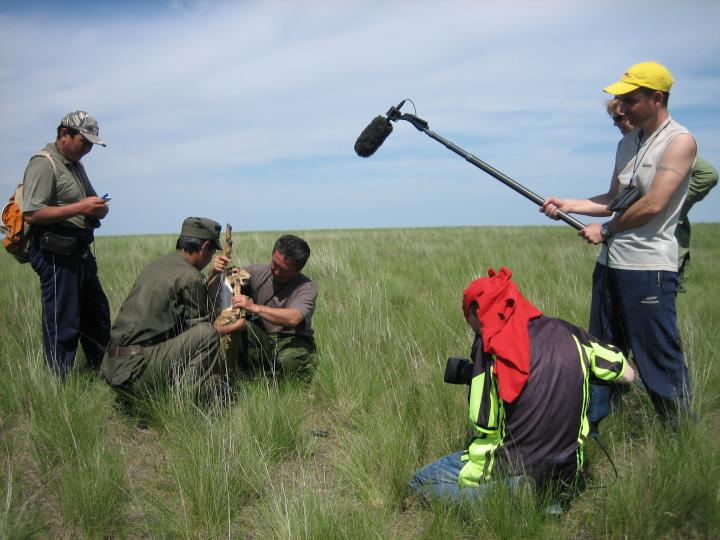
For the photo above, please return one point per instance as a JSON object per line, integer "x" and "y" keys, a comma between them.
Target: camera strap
{"x": 647, "y": 144}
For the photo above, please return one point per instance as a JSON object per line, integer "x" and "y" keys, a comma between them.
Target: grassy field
{"x": 332, "y": 459}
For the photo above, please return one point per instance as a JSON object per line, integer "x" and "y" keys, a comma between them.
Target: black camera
{"x": 625, "y": 199}
{"x": 458, "y": 370}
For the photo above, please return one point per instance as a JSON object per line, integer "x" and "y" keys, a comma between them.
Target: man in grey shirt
{"x": 279, "y": 306}
{"x": 635, "y": 277}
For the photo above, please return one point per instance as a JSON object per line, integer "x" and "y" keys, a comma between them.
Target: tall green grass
{"x": 331, "y": 459}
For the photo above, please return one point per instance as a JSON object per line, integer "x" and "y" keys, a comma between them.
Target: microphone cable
{"x": 596, "y": 437}
{"x": 413, "y": 104}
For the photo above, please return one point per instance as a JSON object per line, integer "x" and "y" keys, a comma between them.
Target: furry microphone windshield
{"x": 373, "y": 136}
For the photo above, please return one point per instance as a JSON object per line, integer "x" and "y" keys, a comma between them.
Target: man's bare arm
{"x": 593, "y": 206}
{"x": 92, "y": 207}
{"x": 628, "y": 374}
{"x": 674, "y": 167}
{"x": 287, "y": 317}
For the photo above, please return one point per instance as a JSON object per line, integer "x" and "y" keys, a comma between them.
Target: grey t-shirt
{"x": 299, "y": 294}
{"x": 651, "y": 246}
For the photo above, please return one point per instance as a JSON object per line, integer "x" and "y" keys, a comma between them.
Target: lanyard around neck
{"x": 647, "y": 144}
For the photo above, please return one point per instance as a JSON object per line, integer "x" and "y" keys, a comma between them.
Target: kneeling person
{"x": 163, "y": 331}
{"x": 529, "y": 385}
{"x": 280, "y": 305}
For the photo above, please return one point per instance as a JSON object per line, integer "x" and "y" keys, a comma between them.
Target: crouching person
{"x": 529, "y": 381}
{"x": 163, "y": 332}
{"x": 279, "y": 306}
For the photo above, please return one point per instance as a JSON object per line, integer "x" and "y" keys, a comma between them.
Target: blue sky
{"x": 247, "y": 112}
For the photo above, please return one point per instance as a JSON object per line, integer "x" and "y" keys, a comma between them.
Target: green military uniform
{"x": 163, "y": 330}
{"x": 703, "y": 178}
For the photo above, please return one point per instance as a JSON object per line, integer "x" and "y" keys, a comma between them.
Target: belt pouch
{"x": 54, "y": 243}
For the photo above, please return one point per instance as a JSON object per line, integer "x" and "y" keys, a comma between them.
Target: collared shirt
{"x": 41, "y": 188}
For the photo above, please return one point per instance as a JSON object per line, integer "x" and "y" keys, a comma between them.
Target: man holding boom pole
{"x": 635, "y": 278}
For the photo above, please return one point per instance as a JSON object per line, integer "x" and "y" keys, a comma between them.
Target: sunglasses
{"x": 617, "y": 118}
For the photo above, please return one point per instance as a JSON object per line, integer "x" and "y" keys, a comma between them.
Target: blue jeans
{"x": 635, "y": 311}
{"x": 439, "y": 480}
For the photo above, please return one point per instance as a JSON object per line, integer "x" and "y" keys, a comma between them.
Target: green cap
{"x": 85, "y": 124}
{"x": 202, "y": 228}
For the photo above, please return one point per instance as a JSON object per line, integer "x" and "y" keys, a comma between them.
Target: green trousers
{"x": 189, "y": 360}
{"x": 277, "y": 354}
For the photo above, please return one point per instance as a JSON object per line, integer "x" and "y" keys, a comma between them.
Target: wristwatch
{"x": 605, "y": 231}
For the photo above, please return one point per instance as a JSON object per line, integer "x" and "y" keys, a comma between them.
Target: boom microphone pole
{"x": 380, "y": 128}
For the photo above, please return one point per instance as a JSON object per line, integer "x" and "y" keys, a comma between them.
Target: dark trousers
{"x": 74, "y": 307}
{"x": 635, "y": 311}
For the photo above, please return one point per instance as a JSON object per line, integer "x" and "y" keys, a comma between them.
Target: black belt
{"x": 130, "y": 350}
{"x": 84, "y": 236}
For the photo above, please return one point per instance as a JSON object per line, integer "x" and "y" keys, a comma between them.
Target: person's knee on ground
{"x": 203, "y": 348}
{"x": 296, "y": 362}
{"x": 257, "y": 352}
{"x": 183, "y": 361}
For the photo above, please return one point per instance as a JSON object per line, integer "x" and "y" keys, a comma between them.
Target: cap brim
{"x": 620, "y": 88}
{"x": 93, "y": 138}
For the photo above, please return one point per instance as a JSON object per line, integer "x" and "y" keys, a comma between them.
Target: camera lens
{"x": 458, "y": 370}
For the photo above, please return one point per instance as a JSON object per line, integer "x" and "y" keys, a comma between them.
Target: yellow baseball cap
{"x": 646, "y": 74}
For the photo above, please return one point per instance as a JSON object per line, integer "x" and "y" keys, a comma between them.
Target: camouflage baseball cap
{"x": 202, "y": 228}
{"x": 85, "y": 124}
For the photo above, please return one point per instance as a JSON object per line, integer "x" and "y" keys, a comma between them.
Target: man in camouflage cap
{"x": 164, "y": 331}
{"x": 85, "y": 124}
{"x": 63, "y": 209}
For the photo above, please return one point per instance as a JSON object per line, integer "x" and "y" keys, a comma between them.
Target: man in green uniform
{"x": 163, "y": 331}
{"x": 703, "y": 177}
{"x": 279, "y": 309}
